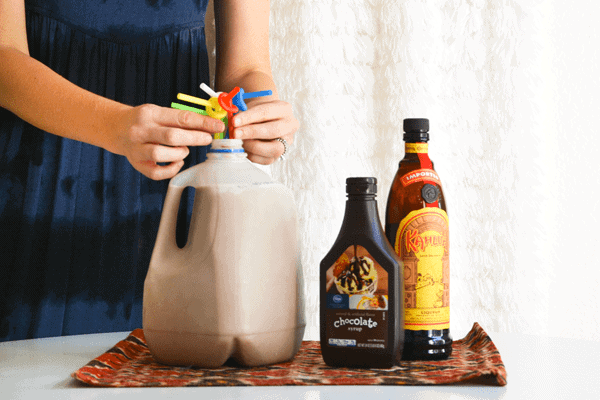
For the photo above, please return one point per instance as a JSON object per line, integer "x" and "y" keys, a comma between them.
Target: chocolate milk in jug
{"x": 235, "y": 289}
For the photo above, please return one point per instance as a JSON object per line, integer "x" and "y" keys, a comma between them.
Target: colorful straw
{"x": 226, "y": 102}
{"x": 221, "y": 105}
{"x": 188, "y": 108}
{"x": 239, "y": 102}
{"x": 192, "y": 99}
{"x": 215, "y": 110}
{"x": 208, "y": 90}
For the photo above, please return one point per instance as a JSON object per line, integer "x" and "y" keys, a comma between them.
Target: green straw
{"x": 188, "y": 108}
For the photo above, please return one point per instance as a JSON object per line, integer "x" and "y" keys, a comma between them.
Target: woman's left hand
{"x": 261, "y": 125}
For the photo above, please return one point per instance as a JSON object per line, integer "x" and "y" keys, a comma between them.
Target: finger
{"x": 187, "y": 120}
{"x": 180, "y": 137}
{"x": 268, "y": 130}
{"x": 157, "y": 153}
{"x": 261, "y": 160}
{"x": 263, "y": 112}
{"x": 158, "y": 172}
{"x": 269, "y": 149}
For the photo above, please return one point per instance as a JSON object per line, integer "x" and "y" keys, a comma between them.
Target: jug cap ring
{"x": 226, "y": 150}
{"x": 226, "y": 146}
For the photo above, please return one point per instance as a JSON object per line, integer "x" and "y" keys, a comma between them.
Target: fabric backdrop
{"x": 510, "y": 88}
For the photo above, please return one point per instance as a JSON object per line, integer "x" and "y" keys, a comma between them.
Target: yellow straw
{"x": 192, "y": 99}
{"x": 214, "y": 109}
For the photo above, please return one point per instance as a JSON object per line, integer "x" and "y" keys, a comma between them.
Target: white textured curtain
{"x": 501, "y": 82}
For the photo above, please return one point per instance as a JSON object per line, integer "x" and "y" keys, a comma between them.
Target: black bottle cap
{"x": 416, "y": 130}
{"x": 361, "y": 185}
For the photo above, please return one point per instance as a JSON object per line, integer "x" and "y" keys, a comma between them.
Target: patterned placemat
{"x": 129, "y": 363}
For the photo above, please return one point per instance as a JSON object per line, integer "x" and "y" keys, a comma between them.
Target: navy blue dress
{"x": 78, "y": 223}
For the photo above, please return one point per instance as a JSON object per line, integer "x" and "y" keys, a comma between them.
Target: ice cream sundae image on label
{"x": 359, "y": 277}
{"x": 356, "y": 273}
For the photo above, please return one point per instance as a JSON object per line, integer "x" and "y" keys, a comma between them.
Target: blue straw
{"x": 257, "y": 94}
{"x": 238, "y": 99}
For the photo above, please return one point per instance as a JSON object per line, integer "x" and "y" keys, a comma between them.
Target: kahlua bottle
{"x": 416, "y": 225}
{"x": 361, "y": 310}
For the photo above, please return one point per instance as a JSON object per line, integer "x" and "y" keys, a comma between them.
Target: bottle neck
{"x": 361, "y": 216}
{"x": 226, "y": 149}
{"x": 416, "y": 147}
{"x": 418, "y": 152}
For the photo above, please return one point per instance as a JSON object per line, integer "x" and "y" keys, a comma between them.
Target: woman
{"x": 88, "y": 142}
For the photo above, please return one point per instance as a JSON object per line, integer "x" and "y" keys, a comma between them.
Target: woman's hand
{"x": 260, "y": 125}
{"x": 150, "y": 134}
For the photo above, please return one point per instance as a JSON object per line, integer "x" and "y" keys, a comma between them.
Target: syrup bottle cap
{"x": 361, "y": 186}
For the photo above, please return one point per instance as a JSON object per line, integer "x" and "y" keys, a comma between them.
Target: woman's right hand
{"x": 148, "y": 135}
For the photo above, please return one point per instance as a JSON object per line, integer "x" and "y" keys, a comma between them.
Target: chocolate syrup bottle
{"x": 361, "y": 297}
{"x": 416, "y": 225}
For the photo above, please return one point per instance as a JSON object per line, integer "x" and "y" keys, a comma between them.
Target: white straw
{"x": 208, "y": 90}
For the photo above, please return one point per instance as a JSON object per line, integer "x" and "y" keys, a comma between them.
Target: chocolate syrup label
{"x": 422, "y": 244}
{"x": 357, "y": 301}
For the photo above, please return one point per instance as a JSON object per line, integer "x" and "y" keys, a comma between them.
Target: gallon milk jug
{"x": 235, "y": 289}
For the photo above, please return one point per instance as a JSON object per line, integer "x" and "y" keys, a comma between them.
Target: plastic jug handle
{"x": 166, "y": 244}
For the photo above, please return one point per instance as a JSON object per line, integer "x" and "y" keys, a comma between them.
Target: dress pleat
{"x": 78, "y": 223}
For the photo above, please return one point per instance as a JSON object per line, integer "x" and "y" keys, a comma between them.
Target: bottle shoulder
{"x": 378, "y": 248}
{"x": 407, "y": 191}
{"x": 222, "y": 172}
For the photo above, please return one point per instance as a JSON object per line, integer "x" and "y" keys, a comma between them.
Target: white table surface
{"x": 537, "y": 368}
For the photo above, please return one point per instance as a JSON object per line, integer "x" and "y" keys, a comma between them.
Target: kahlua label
{"x": 422, "y": 243}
